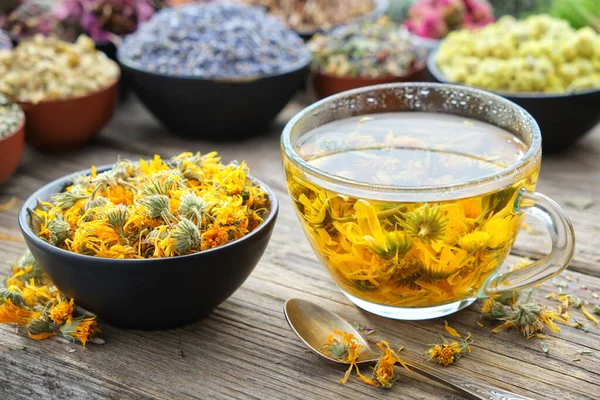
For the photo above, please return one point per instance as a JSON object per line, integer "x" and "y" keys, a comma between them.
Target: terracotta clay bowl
{"x": 11, "y": 150}
{"x": 326, "y": 85}
{"x": 153, "y": 293}
{"x": 67, "y": 123}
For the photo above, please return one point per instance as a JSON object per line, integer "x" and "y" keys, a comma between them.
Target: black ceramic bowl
{"x": 221, "y": 109}
{"x": 563, "y": 118}
{"x": 149, "y": 293}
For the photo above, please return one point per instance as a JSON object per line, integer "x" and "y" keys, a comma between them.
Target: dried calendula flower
{"x": 383, "y": 373}
{"x": 531, "y": 318}
{"x": 492, "y": 309}
{"x": 150, "y": 209}
{"x": 345, "y": 349}
{"x": 428, "y": 224}
{"x": 47, "y": 68}
{"x": 451, "y": 330}
{"x": 343, "y": 346}
{"x": 447, "y": 353}
{"x": 32, "y": 302}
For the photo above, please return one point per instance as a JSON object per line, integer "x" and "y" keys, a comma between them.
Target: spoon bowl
{"x": 313, "y": 324}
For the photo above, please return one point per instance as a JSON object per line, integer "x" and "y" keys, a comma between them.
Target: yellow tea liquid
{"x": 415, "y": 253}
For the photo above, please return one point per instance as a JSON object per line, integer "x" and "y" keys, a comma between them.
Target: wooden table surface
{"x": 245, "y": 349}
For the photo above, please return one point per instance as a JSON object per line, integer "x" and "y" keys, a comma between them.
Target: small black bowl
{"x": 152, "y": 293}
{"x": 217, "y": 109}
{"x": 563, "y": 118}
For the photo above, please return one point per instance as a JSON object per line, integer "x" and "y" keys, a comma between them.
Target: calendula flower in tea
{"x": 47, "y": 68}
{"x": 31, "y": 301}
{"x": 154, "y": 208}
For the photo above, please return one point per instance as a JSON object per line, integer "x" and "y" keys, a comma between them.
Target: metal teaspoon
{"x": 313, "y": 324}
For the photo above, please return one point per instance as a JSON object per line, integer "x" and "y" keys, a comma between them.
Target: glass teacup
{"x": 423, "y": 250}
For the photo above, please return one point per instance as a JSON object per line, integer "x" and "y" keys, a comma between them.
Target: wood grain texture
{"x": 245, "y": 349}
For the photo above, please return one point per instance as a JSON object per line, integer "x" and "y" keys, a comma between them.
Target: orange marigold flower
{"x": 448, "y": 353}
{"x": 62, "y": 311}
{"x": 10, "y": 313}
{"x": 82, "y": 329}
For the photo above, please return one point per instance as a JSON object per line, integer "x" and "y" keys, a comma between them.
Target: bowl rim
{"x": 437, "y": 74}
{"x": 518, "y": 168}
{"x": 18, "y": 128}
{"x": 73, "y": 98}
{"x": 64, "y": 180}
{"x": 418, "y": 67}
{"x": 290, "y": 69}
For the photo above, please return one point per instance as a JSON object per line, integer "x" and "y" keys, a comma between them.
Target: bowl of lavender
{"x": 214, "y": 70}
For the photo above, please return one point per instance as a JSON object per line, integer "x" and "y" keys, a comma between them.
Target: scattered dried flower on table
{"x": 448, "y": 352}
{"x": 383, "y": 373}
{"x": 451, "y": 330}
{"x": 42, "y": 68}
{"x": 154, "y": 208}
{"x": 30, "y": 300}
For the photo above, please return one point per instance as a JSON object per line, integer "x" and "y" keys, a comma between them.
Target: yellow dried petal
{"x": 451, "y": 330}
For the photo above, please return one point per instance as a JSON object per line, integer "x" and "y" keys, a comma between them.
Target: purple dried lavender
{"x": 214, "y": 40}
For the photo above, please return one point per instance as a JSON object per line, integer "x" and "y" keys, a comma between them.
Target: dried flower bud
{"x": 66, "y": 200}
{"x": 158, "y": 207}
{"x": 186, "y": 237}
{"x": 117, "y": 217}
{"x": 60, "y": 231}
{"x": 14, "y": 297}
{"x": 192, "y": 207}
{"x": 157, "y": 187}
{"x": 508, "y": 298}
{"x": 493, "y": 309}
{"x": 99, "y": 201}
{"x": 39, "y": 326}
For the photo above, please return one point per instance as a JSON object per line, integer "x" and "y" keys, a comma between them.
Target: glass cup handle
{"x": 563, "y": 245}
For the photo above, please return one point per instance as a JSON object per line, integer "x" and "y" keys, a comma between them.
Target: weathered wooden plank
{"x": 245, "y": 349}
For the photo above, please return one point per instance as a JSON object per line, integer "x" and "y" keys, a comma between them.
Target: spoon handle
{"x": 473, "y": 390}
